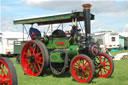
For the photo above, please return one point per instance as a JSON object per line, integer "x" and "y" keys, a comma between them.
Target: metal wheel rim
{"x": 106, "y": 68}
{"x": 86, "y": 74}
{"x": 34, "y": 68}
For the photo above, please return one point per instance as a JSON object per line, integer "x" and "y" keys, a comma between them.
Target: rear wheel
{"x": 7, "y": 72}
{"x": 104, "y": 65}
{"x": 33, "y": 58}
{"x": 82, "y": 68}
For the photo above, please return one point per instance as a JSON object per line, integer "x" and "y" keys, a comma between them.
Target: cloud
{"x": 105, "y": 8}
{"x": 125, "y": 29}
{"x": 7, "y": 25}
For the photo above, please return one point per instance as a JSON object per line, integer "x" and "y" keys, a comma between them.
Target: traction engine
{"x": 77, "y": 53}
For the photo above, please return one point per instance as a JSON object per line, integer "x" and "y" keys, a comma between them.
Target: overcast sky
{"x": 110, "y": 15}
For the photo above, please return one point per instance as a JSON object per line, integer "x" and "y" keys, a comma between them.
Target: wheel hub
{"x": 102, "y": 65}
{"x": 80, "y": 69}
{"x": 32, "y": 58}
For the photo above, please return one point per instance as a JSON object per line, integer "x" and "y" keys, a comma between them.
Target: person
{"x": 34, "y": 33}
{"x": 107, "y": 51}
{"x": 73, "y": 30}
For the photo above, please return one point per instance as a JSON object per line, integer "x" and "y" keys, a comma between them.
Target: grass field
{"x": 119, "y": 77}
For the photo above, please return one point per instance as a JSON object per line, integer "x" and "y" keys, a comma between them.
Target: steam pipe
{"x": 87, "y": 18}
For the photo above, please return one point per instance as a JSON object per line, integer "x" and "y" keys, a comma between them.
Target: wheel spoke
{"x": 36, "y": 67}
{"x": 31, "y": 48}
{"x": 28, "y": 64}
{"x": 2, "y": 70}
{"x": 104, "y": 59}
{"x": 30, "y": 67}
{"x": 86, "y": 73}
{"x": 78, "y": 61}
{"x": 85, "y": 63}
{"x": 38, "y": 50}
{"x": 107, "y": 61}
{"x": 106, "y": 69}
{"x": 27, "y": 59}
{"x": 101, "y": 71}
{"x": 37, "y": 54}
{"x": 27, "y": 54}
{"x": 39, "y": 67}
{"x": 83, "y": 75}
{"x": 33, "y": 69}
{"x": 107, "y": 65}
{"x": 30, "y": 52}
{"x": 39, "y": 61}
{"x": 77, "y": 73}
{"x": 75, "y": 67}
{"x": 34, "y": 49}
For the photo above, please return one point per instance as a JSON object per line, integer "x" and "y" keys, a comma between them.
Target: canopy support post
{"x": 58, "y": 26}
{"x": 62, "y": 26}
{"x": 23, "y": 32}
{"x": 27, "y": 31}
{"x": 51, "y": 28}
{"x": 81, "y": 26}
{"x": 48, "y": 29}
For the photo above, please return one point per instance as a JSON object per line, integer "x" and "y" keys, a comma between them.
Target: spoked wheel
{"x": 82, "y": 68}
{"x": 7, "y": 72}
{"x": 33, "y": 58}
{"x": 104, "y": 65}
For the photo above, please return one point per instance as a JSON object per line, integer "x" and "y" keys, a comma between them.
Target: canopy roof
{"x": 62, "y": 18}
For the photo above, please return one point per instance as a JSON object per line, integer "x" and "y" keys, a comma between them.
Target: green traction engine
{"x": 61, "y": 53}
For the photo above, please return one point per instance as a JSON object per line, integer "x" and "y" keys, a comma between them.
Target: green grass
{"x": 119, "y": 77}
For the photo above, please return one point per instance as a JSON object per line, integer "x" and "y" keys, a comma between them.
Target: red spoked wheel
{"x": 7, "y": 72}
{"x": 33, "y": 58}
{"x": 82, "y": 68}
{"x": 104, "y": 65}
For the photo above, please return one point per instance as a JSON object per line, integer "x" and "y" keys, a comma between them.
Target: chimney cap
{"x": 86, "y": 6}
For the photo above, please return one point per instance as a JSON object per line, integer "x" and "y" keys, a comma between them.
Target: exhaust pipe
{"x": 87, "y": 18}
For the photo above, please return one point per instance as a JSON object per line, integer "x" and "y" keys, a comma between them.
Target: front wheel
{"x": 82, "y": 68}
{"x": 104, "y": 65}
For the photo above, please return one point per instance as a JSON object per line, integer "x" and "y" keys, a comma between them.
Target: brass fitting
{"x": 86, "y": 6}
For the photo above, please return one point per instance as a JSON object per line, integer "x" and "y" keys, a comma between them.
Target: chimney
{"x": 87, "y": 18}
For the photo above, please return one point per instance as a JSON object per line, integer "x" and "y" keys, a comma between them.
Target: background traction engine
{"x": 82, "y": 56}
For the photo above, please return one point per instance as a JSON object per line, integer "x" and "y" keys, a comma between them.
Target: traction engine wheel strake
{"x": 32, "y": 58}
{"x": 5, "y": 77}
{"x": 104, "y": 65}
{"x": 82, "y": 69}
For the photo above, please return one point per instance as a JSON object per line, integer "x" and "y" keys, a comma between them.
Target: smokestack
{"x": 87, "y": 18}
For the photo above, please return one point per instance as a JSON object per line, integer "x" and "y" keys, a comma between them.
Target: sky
{"x": 110, "y": 15}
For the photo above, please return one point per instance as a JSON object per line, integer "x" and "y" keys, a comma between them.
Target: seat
{"x": 34, "y": 33}
{"x": 58, "y": 34}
